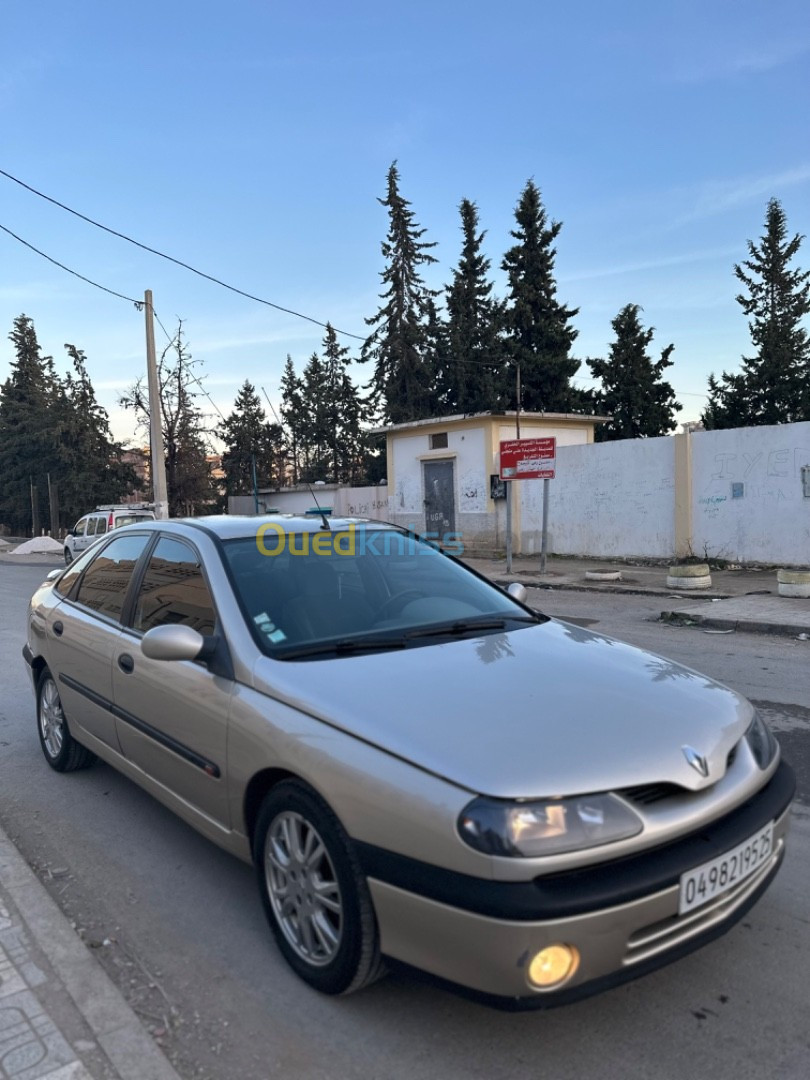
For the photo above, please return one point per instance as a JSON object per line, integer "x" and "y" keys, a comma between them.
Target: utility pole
{"x": 158, "y": 462}
{"x": 517, "y": 403}
{"x": 509, "y": 482}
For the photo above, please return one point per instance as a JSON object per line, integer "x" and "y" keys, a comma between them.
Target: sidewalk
{"x": 61, "y": 1018}
{"x": 745, "y": 599}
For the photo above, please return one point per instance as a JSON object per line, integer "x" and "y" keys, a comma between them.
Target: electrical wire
{"x": 189, "y": 372}
{"x": 170, "y": 258}
{"x": 138, "y": 303}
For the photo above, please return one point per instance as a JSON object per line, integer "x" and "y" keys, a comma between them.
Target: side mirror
{"x": 172, "y": 643}
{"x": 518, "y": 592}
{"x": 54, "y": 574}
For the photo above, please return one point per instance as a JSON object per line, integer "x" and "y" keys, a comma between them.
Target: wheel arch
{"x": 38, "y": 665}
{"x": 259, "y": 786}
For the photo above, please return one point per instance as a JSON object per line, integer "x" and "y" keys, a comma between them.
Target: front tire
{"x": 61, "y": 750}
{"x": 314, "y": 893}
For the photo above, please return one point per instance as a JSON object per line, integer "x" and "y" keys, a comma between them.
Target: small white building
{"x": 443, "y": 473}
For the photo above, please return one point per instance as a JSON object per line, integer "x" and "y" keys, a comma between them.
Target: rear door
{"x": 172, "y": 716}
{"x": 84, "y": 629}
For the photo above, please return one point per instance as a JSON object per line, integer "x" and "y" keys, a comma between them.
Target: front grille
{"x": 646, "y": 794}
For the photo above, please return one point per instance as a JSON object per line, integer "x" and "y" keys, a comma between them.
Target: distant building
{"x": 443, "y": 473}
{"x": 140, "y": 460}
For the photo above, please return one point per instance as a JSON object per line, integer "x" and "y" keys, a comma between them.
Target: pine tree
{"x": 474, "y": 346}
{"x": 27, "y": 445}
{"x": 404, "y": 380}
{"x": 344, "y": 412}
{"x": 91, "y": 471}
{"x": 315, "y": 456}
{"x": 634, "y": 394}
{"x": 773, "y": 386}
{"x": 538, "y": 334}
{"x": 293, "y": 417}
{"x": 250, "y": 442}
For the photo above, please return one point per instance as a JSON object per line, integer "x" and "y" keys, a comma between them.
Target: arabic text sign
{"x": 528, "y": 459}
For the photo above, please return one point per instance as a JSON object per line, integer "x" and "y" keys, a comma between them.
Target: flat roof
{"x": 445, "y": 421}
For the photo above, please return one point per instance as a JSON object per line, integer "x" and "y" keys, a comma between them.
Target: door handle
{"x": 126, "y": 663}
{"x": 58, "y": 628}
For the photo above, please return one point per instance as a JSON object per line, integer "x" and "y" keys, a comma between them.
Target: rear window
{"x": 130, "y": 519}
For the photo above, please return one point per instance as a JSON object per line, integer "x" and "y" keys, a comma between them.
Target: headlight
{"x": 547, "y": 826}
{"x": 762, "y": 743}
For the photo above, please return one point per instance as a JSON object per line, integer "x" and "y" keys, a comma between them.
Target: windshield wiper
{"x": 457, "y": 628}
{"x": 344, "y": 647}
{"x": 465, "y": 626}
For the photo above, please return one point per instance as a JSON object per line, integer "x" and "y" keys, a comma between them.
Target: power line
{"x": 494, "y": 364}
{"x": 170, "y": 258}
{"x": 138, "y": 303}
{"x": 189, "y": 372}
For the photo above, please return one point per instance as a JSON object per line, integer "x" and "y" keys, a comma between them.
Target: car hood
{"x": 547, "y": 710}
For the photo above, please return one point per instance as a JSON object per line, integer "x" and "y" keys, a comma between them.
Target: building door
{"x": 440, "y": 505}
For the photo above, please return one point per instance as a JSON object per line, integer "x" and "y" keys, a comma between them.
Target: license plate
{"x": 705, "y": 882}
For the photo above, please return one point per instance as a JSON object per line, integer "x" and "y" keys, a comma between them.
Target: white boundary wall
{"x": 607, "y": 499}
{"x": 618, "y": 499}
{"x": 344, "y": 501}
{"x": 747, "y": 497}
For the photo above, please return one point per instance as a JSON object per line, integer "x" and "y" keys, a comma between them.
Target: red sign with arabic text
{"x": 528, "y": 459}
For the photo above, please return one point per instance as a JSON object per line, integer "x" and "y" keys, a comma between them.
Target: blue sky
{"x": 252, "y": 139}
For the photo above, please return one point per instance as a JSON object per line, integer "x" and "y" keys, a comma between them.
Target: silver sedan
{"x": 421, "y": 767}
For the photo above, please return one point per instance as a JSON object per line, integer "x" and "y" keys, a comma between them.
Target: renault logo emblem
{"x": 696, "y": 760}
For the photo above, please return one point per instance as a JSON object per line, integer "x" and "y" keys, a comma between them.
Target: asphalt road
{"x": 178, "y": 924}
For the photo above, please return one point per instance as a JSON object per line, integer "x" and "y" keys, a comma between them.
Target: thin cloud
{"x": 652, "y": 264}
{"x": 716, "y": 197}
{"x": 748, "y": 62}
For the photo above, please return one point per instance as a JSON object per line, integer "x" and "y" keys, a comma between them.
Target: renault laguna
{"x": 421, "y": 767}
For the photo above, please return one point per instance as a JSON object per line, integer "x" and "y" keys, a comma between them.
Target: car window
{"x": 173, "y": 590}
{"x": 101, "y": 525}
{"x": 92, "y": 525}
{"x": 68, "y": 579}
{"x": 104, "y": 585}
{"x": 79, "y": 527}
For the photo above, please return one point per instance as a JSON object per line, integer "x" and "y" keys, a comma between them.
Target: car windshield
{"x": 359, "y": 588}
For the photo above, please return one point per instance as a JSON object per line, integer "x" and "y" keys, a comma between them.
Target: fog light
{"x": 553, "y": 965}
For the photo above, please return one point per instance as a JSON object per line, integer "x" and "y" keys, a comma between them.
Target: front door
{"x": 440, "y": 504}
{"x": 172, "y": 715}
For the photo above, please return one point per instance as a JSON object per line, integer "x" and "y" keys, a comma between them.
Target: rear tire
{"x": 61, "y": 750}
{"x": 68, "y": 557}
{"x": 314, "y": 893}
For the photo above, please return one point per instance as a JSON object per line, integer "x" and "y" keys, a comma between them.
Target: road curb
{"x": 115, "y": 1026}
{"x": 601, "y": 587}
{"x": 754, "y": 626}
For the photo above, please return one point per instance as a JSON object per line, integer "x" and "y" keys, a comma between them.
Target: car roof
{"x": 235, "y": 527}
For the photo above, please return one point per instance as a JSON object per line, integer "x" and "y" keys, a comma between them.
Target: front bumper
{"x": 622, "y": 917}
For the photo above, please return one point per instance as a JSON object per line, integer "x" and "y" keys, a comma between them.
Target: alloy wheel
{"x": 51, "y": 719}
{"x": 303, "y": 888}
